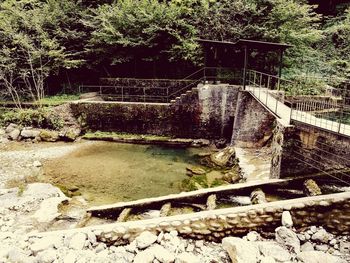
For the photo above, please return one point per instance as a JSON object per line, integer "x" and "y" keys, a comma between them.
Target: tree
{"x": 142, "y": 29}
{"x": 30, "y": 50}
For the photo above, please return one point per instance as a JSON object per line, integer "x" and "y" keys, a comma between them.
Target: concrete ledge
{"x": 331, "y": 211}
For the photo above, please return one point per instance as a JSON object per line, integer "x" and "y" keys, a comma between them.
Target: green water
{"x": 108, "y": 172}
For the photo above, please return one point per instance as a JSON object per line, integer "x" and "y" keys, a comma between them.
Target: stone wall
{"x": 253, "y": 124}
{"x": 301, "y": 149}
{"x": 331, "y": 211}
{"x": 204, "y": 112}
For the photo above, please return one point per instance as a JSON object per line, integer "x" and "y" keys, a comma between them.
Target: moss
{"x": 49, "y": 136}
{"x": 102, "y": 135}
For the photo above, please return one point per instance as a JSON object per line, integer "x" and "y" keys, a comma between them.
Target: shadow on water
{"x": 111, "y": 172}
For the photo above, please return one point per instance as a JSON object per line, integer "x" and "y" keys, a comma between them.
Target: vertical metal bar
{"x": 122, "y": 93}
{"x": 144, "y": 94}
{"x": 260, "y": 84}
{"x": 245, "y": 66}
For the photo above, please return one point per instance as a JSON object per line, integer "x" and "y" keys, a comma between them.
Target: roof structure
{"x": 247, "y": 43}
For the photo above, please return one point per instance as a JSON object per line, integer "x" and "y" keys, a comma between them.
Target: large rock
{"x": 186, "y": 257}
{"x": 27, "y": 133}
{"x": 241, "y": 251}
{"x": 223, "y": 158}
{"x": 45, "y": 243}
{"x": 14, "y": 135}
{"x": 11, "y": 127}
{"x": 49, "y": 136}
{"x": 288, "y": 239}
{"x": 145, "y": 239}
{"x": 272, "y": 249}
{"x": 287, "y": 220}
{"x": 47, "y": 256}
{"x": 162, "y": 254}
{"x": 146, "y": 256}
{"x": 77, "y": 241}
{"x": 321, "y": 236}
{"x": 48, "y": 210}
{"x": 318, "y": 257}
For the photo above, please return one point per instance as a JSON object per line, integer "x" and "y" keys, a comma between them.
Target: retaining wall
{"x": 206, "y": 112}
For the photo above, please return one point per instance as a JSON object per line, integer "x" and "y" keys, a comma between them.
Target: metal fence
{"x": 160, "y": 90}
{"x": 313, "y": 103}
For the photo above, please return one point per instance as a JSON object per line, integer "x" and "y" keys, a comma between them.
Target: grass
{"x": 59, "y": 99}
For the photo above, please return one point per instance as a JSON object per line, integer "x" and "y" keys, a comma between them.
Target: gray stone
{"x": 253, "y": 236}
{"x": 272, "y": 249}
{"x": 267, "y": 260}
{"x": 186, "y": 257}
{"x": 287, "y": 220}
{"x": 71, "y": 257}
{"x": 318, "y": 257}
{"x": 42, "y": 244}
{"x": 162, "y": 254}
{"x": 29, "y": 133}
{"x": 18, "y": 255}
{"x": 321, "y": 236}
{"x": 11, "y": 127}
{"x": 37, "y": 164}
{"x": 288, "y": 239}
{"x": 241, "y": 251}
{"x": 100, "y": 247}
{"x": 313, "y": 229}
{"x": 145, "y": 239}
{"x": 344, "y": 247}
{"x": 77, "y": 241}
{"x": 146, "y": 256}
{"x": 14, "y": 135}
{"x": 322, "y": 247}
{"x": 47, "y": 256}
{"x": 307, "y": 247}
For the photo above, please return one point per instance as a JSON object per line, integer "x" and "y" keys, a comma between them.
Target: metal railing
{"x": 327, "y": 108}
{"x": 160, "y": 90}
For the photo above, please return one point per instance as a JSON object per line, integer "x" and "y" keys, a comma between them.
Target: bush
{"x": 39, "y": 118}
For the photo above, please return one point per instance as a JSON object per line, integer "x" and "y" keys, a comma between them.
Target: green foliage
{"x": 40, "y": 118}
{"x": 336, "y": 46}
{"x": 142, "y": 29}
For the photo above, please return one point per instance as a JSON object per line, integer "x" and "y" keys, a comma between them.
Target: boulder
{"x": 288, "y": 239}
{"x": 191, "y": 170}
{"x": 146, "y": 256}
{"x": 344, "y": 247}
{"x": 307, "y": 247}
{"x": 311, "y": 188}
{"x": 14, "y": 134}
{"x": 49, "y": 136}
{"x": 77, "y": 241}
{"x": 145, "y": 239}
{"x": 267, "y": 260}
{"x": 318, "y": 257}
{"x": 28, "y": 133}
{"x": 47, "y": 256}
{"x": 258, "y": 197}
{"x": 70, "y": 134}
{"x": 11, "y": 127}
{"x": 321, "y": 235}
{"x": 253, "y": 236}
{"x": 241, "y": 251}
{"x": 287, "y": 220}
{"x": 186, "y": 257}
{"x": 223, "y": 158}
{"x": 272, "y": 249}
{"x": 162, "y": 254}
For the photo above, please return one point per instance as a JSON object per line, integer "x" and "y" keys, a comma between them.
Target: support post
{"x": 245, "y": 66}
{"x": 280, "y": 64}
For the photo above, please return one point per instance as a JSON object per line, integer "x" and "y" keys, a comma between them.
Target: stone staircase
{"x": 189, "y": 97}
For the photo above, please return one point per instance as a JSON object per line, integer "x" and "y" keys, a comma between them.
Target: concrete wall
{"x": 205, "y": 112}
{"x": 253, "y": 124}
{"x": 301, "y": 149}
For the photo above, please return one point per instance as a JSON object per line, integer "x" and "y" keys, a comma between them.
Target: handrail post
{"x": 122, "y": 93}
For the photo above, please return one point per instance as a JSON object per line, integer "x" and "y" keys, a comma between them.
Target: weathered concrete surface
{"x": 204, "y": 112}
{"x": 331, "y": 211}
{"x": 301, "y": 149}
{"x": 253, "y": 124}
